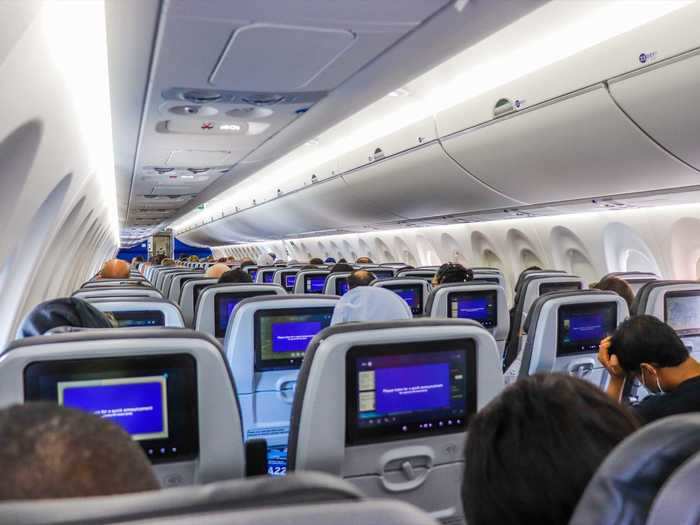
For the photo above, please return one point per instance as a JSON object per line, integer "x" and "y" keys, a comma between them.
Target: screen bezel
{"x": 145, "y": 313}
{"x": 183, "y": 412}
{"x": 266, "y": 365}
{"x": 355, "y": 436}
{"x": 560, "y": 348}
{"x": 396, "y": 286}
{"x": 474, "y": 293}
{"x": 231, "y": 295}
{"x": 674, "y": 294}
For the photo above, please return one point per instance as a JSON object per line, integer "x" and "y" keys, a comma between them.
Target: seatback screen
{"x": 403, "y": 391}
{"x": 426, "y": 276}
{"x": 139, "y": 318}
{"x": 411, "y": 293}
{"x": 268, "y": 276}
{"x": 382, "y": 274}
{"x": 253, "y": 273}
{"x": 224, "y": 303}
{"x": 282, "y": 335}
{"x": 153, "y": 398}
{"x": 682, "y": 310}
{"x": 289, "y": 280}
{"x": 196, "y": 290}
{"x": 546, "y": 288}
{"x": 490, "y": 280}
{"x": 341, "y": 286}
{"x": 480, "y": 306}
{"x": 581, "y": 327}
{"x": 314, "y": 283}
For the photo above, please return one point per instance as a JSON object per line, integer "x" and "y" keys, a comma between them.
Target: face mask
{"x": 660, "y": 392}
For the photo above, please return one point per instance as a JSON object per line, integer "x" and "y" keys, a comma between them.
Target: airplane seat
{"x": 381, "y": 272}
{"x": 252, "y": 271}
{"x": 189, "y": 295}
{"x": 264, "y": 346}
{"x": 287, "y": 278}
{"x": 628, "y": 481}
{"x": 117, "y": 291}
{"x": 417, "y": 273}
{"x": 177, "y": 282}
{"x": 310, "y": 281}
{"x": 192, "y": 430}
{"x": 414, "y": 291}
{"x": 636, "y": 280}
{"x": 107, "y": 283}
{"x": 526, "y": 273}
{"x": 194, "y": 503}
{"x": 490, "y": 277}
{"x": 169, "y": 278}
{"x": 160, "y": 281}
{"x": 563, "y": 331}
{"x": 141, "y": 311}
{"x": 352, "y": 416}
{"x": 265, "y": 274}
{"x": 678, "y": 500}
{"x": 336, "y": 284}
{"x": 217, "y": 302}
{"x": 475, "y": 300}
{"x": 532, "y": 286}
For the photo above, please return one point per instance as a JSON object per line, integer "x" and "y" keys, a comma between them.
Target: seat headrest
{"x": 625, "y": 485}
{"x": 678, "y": 501}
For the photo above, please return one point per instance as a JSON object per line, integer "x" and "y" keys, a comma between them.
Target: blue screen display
{"x": 137, "y": 404}
{"x": 341, "y": 286}
{"x": 478, "y": 306}
{"x": 290, "y": 281}
{"x": 412, "y": 294}
{"x": 268, "y": 277}
{"x": 582, "y": 327}
{"x": 314, "y": 283}
{"x": 383, "y": 274}
{"x": 224, "y": 304}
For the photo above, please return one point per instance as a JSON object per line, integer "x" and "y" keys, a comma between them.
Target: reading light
{"x": 76, "y": 39}
{"x": 483, "y": 67}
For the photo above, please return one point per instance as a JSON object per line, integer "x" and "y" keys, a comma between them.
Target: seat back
{"x": 484, "y": 303}
{"x": 526, "y": 273}
{"x": 336, "y": 284}
{"x": 264, "y": 346}
{"x": 563, "y": 331}
{"x": 287, "y": 278}
{"x": 426, "y": 275}
{"x": 189, "y": 295}
{"x": 217, "y": 302}
{"x": 491, "y": 277}
{"x": 678, "y": 502}
{"x": 635, "y": 279}
{"x": 266, "y": 274}
{"x": 311, "y": 281}
{"x": 625, "y": 486}
{"x": 381, "y": 272}
{"x": 120, "y": 291}
{"x": 168, "y": 280}
{"x": 192, "y": 431}
{"x": 193, "y": 502}
{"x": 355, "y": 383}
{"x": 106, "y": 283}
{"x": 531, "y": 287}
{"x": 162, "y": 274}
{"x": 177, "y": 282}
{"x": 147, "y": 311}
{"x": 414, "y": 291}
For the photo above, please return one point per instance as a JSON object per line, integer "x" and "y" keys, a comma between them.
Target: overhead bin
{"x": 422, "y": 182}
{"x": 574, "y": 147}
{"x": 665, "y": 102}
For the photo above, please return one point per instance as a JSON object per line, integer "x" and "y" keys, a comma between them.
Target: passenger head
{"x": 48, "y": 451}
{"x": 167, "y": 261}
{"x": 341, "y": 267}
{"x": 452, "y": 273}
{"x": 364, "y": 260}
{"x": 115, "y": 269}
{"x": 193, "y": 258}
{"x": 360, "y": 278}
{"x": 221, "y": 260}
{"x": 648, "y": 347}
{"x": 316, "y": 261}
{"x": 329, "y": 260}
{"x": 531, "y": 452}
{"x": 342, "y": 260}
{"x": 265, "y": 260}
{"x": 63, "y": 312}
{"x": 617, "y": 285}
{"x": 217, "y": 270}
{"x": 235, "y": 276}
{"x": 247, "y": 262}
{"x": 136, "y": 260}
{"x": 370, "y": 303}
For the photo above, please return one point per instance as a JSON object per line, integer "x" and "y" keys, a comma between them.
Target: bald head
{"x": 217, "y": 270}
{"x": 360, "y": 278}
{"x": 115, "y": 269}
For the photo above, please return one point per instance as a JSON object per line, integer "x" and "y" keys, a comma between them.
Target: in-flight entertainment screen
{"x": 546, "y": 288}
{"x": 153, "y": 398}
{"x": 411, "y": 293}
{"x": 314, "y": 283}
{"x": 481, "y": 306}
{"x": 282, "y": 335}
{"x": 581, "y": 327}
{"x": 408, "y": 390}
{"x": 224, "y": 303}
{"x": 139, "y": 318}
{"x": 341, "y": 286}
{"x": 682, "y": 310}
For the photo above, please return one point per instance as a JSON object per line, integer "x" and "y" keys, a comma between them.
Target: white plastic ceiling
{"x": 229, "y": 82}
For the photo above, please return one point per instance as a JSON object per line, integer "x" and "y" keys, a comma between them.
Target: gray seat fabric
{"x": 626, "y": 484}
{"x": 309, "y": 488}
{"x": 678, "y": 501}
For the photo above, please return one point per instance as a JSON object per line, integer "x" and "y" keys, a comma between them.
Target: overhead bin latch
{"x": 503, "y": 107}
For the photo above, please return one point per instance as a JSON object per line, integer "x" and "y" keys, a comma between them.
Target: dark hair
{"x": 342, "y": 260}
{"x": 48, "y": 451}
{"x": 235, "y": 276}
{"x": 531, "y": 452}
{"x": 617, "y": 285}
{"x": 364, "y": 260}
{"x": 453, "y": 273}
{"x": 645, "y": 339}
{"x": 221, "y": 260}
{"x": 64, "y": 311}
{"x": 316, "y": 260}
{"x": 341, "y": 267}
{"x": 360, "y": 278}
{"x": 247, "y": 262}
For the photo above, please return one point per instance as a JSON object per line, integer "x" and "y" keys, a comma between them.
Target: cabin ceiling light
{"x": 76, "y": 40}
